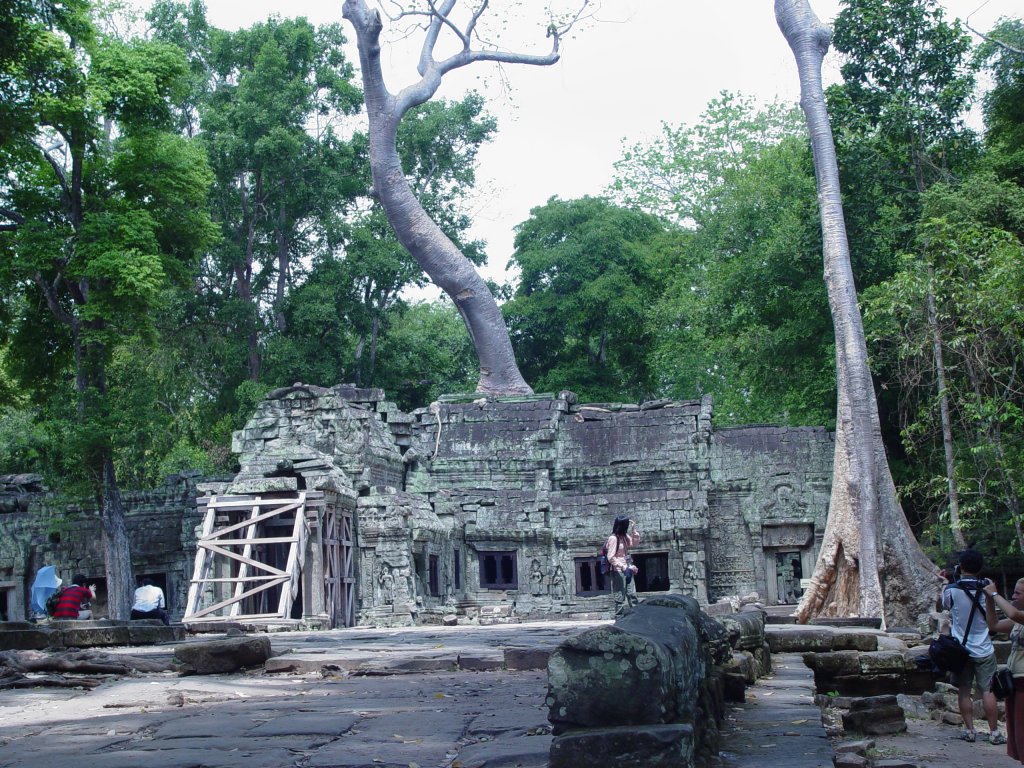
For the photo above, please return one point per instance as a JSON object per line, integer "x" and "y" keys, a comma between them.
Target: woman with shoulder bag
{"x": 1014, "y": 624}
{"x": 620, "y": 564}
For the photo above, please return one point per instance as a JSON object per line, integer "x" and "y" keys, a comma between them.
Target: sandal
{"x": 996, "y": 737}
{"x": 969, "y": 736}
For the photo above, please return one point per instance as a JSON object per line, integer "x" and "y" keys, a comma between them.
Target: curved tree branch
{"x": 15, "y": 218}
{"x": 989, "y": 39}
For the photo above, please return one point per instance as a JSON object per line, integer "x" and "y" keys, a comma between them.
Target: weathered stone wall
{"x": 46, "y": 529}
{"x": 770, "y": 495}
{"x": 490, "y": 510}
{"x": 543, "y": 478}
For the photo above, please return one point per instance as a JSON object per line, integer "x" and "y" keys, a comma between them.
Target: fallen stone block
{"x": 73, "y": 635}
{"x": 833, "y": 664}
{"x": 745, "y": 629}
{"x": 797, "y": 640}
{"x": 888, "y": 643}
{"x": 527, "y": 658}
{"x": 481, "y": 663}
{"x": 882, "y": 663}
{"x": 872, "y": 702}
{"x": 854, "y": 641}
{"x": 860, "y": 746}
{"x": 27, "y": 638}
{"x": 154, "y": 633}
{"x": 850, "y": 760}
{"x": 218, "y": 656}
{"x": 734, "y": 686}
{"x": 876, "y": 720}
{"x": 644, "y": 669}
{"x": 645, "y": 746}
{"x": 742, "y": 663}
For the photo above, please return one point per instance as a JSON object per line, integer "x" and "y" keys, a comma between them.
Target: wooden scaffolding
{"x": 273, "y": 557}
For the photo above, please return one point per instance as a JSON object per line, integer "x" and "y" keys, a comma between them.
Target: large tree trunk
{"x": 439, "y": 257}
{"x": 870, "y": 563}
{"x": 116, "y": 546}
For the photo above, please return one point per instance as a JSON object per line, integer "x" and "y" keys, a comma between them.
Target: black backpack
{"x": 52, "y": 600}
{"x": 946, "y": 653}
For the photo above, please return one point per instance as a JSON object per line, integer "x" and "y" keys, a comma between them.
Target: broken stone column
{"x": 642, "y": 691}
{"x": 875, "y": 716}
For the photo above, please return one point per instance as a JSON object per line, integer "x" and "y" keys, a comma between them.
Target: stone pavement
{"x": 395, "y": 698}
{"x": 387, "y": 698}
{"x": 779, "y": 724}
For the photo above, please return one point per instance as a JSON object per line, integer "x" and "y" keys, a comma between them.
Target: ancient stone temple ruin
{"x": 348, "y": 511}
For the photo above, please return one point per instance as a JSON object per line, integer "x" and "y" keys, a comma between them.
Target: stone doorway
{"x": 786, "y": 577}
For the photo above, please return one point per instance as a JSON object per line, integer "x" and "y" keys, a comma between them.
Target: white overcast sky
{"x": 639, "y": 63}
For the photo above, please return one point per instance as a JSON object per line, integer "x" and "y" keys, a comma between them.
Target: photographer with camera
{"x": 964, "y": 598}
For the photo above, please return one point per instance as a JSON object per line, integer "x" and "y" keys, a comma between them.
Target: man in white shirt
{"x": 149, "y": 602}
{"x": 959, "y": 599}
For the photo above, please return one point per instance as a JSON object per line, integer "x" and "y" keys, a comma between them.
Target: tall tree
{"x": 907, "y": 83}
{"x": 870, "y": 563}
{"x": 969, "y": 264}
{"x": 418, "y": 233}
{"x": 105, "y": 207}
{"x": 278, "y": 182}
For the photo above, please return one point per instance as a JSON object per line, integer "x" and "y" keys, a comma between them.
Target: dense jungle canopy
{"x": 186, "y": 223}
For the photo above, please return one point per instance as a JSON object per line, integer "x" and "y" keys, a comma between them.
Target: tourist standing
{"x": 620, "y": 566}
{"x": 1014, "y": 624}
{"x": 959, "y": 598}
{"x": 74, "y": 601}
{"x": 149, "y": 602}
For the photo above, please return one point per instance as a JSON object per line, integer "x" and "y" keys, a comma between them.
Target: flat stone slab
{"x": 97, "y": 633}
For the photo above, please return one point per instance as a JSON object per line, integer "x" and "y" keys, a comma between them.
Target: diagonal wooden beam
{"x": 241, "y": 558}
{"x": 280, "y": 510}
{"x": 233, "y": 599}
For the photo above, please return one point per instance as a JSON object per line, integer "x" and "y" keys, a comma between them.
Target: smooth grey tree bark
{"x": 870, "y": 563}
{"x": 439, "y": 257}
{"x": 952, "y": 492}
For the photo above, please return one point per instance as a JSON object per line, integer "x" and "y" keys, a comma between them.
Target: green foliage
{"x": 23, "y": 441}
{"x": 898, "y": 120}
{"x": 577, "y": 319}
{"x": 744, "y": 314}
{"x": 740, "y": 311}
{"x": 107, "y": 212}
{"x": 1004, "y": 103}
{"x": 426, "y": 353}
{"x": 970, "y": 258}
{"x": 680, "y": 174}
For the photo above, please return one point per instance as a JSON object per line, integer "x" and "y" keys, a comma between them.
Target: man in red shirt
{"x": 71, "y": 600}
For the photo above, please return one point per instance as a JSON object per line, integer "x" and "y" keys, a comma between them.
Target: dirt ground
{"x": 929, "y": 744}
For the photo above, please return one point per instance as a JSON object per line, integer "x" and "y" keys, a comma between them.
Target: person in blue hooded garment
{"x": 46, "y": 584}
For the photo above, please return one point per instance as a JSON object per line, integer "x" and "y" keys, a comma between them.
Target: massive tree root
{"x": 21, "y": 669}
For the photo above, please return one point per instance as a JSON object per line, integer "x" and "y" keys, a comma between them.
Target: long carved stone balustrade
{"x": 649, "y": 689}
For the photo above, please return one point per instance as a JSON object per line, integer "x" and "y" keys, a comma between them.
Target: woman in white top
{"x": 1014, "y": 624}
